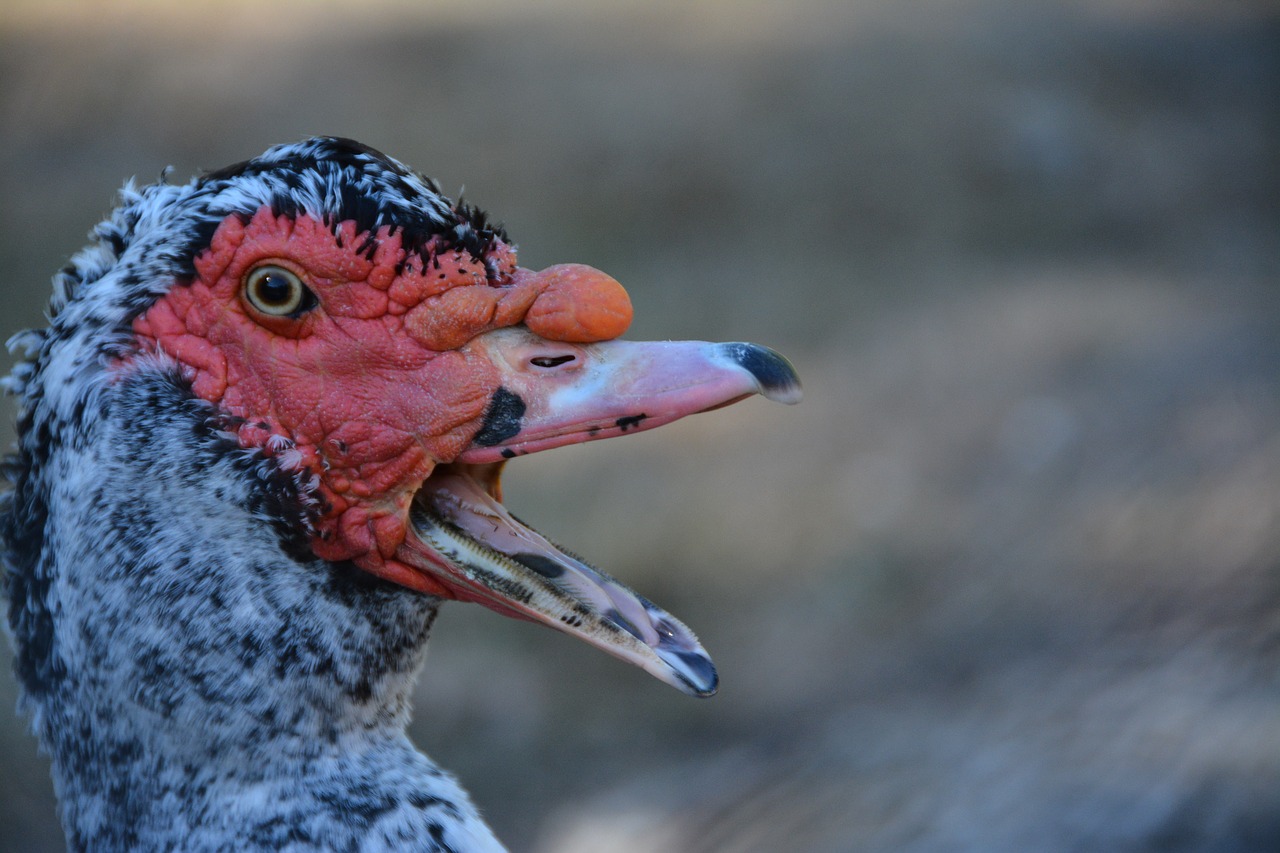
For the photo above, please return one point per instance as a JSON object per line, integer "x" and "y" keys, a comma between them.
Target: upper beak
{"x": 552, "y": 394}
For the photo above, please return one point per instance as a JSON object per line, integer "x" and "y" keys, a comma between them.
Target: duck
{"x": 260, "y": 441}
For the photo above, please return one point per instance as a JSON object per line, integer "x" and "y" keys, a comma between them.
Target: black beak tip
{"x": 775, "y": 375}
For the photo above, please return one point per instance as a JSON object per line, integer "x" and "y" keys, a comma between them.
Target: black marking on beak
{"x": 629, "y": 421}
{"x": 771, "y": 369}
{"x": 702, "y": 667}
{"x": 542, "y": 565}
{"x": 502, "y": 420}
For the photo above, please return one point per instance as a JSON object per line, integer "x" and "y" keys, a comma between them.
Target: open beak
{"x": 553, "y": 394}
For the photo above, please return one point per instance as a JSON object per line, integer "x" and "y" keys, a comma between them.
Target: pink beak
{"x": 553, "y": 394}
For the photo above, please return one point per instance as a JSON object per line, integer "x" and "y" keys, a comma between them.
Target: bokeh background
{"x": 1008, "y": 579}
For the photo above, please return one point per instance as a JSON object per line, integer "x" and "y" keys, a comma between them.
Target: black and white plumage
{"x": 217, "y": 633}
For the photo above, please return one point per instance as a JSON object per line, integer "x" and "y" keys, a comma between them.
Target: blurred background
{"x": 1008, "y": 579}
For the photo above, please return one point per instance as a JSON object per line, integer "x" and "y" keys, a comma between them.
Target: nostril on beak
{"x": 550, "y": 361}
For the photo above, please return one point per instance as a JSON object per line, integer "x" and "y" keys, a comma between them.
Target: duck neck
{"x": 176, "y": 649}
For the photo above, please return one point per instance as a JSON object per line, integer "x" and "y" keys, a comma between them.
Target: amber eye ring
{"x": 277, "y": 292}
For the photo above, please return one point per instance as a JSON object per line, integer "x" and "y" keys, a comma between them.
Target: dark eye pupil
{"x": 275, "y": 289}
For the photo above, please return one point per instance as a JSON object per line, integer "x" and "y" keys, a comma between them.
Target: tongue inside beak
{"x": 463, "y": 536}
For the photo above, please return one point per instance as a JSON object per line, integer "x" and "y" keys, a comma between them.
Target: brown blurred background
{"x": 1009, "y": 579}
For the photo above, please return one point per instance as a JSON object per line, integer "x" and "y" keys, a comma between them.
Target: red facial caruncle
{"x": 366, "y": 378}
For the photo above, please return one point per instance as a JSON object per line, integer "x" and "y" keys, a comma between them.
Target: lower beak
{"x": 553, "y": 394}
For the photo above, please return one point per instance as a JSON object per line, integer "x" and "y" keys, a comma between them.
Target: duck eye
{"x": 277, "y": 292}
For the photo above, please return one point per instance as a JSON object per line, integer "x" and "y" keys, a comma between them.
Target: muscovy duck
{"x": 259, "y": 441}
